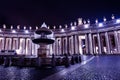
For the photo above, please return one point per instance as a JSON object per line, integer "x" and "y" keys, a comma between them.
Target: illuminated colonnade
{"x": 81, "y": 38}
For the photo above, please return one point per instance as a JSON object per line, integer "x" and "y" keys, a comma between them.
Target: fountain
{"x": 43, "y": 39}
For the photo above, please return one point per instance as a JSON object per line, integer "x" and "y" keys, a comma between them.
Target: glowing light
{"x": 48, "y": 27}
{"x": 96, "y": 20}
{"x": 86, "y": 25}
{"x": 88, "y": 21}
{"x": 0, "y": 30}
{"x": 4, "y": 26}
{"x": 72, "y": 28}
{"x": 113, "y": 17}
{"x": 18, "y": 26}
{"x": 60, "y": 26}
{"x": 100, "y": 24}
{"x": 104, "y": 19}
{"x": 54, "y": 27}
{"x": 66, "y": 26}
{"x": 37, "y": 27}
{"x": 11, "y": 27}
{"x": 24, "y": 27}
{"x": 118, "y": 21}
{"x": 62, "y": 30}
{"x": 71, "y": 24}
{"x": 26, "y": 31}
{"x": 80, "y": 21}
{"x": 84, "y": 22}
{"x": 30, "y": 27}
{"x": 75, "y": 23}
{"x": 13, "y": 31}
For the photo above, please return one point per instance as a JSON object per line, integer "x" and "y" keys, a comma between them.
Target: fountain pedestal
{"x": 43, "y": 41}
{"x": 43, "y": 51}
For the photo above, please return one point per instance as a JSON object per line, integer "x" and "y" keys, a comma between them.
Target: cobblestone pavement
{"x": 100, "y": 68}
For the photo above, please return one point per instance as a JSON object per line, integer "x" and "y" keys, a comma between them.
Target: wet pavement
{"x": 99, "y": 68}
{"x": 16, "y": 73}
{"x": 31, "y": 73}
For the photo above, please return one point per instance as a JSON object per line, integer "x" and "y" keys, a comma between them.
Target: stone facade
{"x": 88, "y": 38}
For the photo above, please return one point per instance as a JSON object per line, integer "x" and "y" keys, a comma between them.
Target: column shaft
{"x": 107, "y": 42}
{"x": 116, "y": 41}
{"x": 90, "y": 43}
{"x": 86, "y": 44}
{"x": 76, "y": 44}
{"x": 99, "y": 43}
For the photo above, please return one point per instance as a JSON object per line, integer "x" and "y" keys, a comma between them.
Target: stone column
{"x": 72, "y": 42}
{"x": 64, "y": 47}
{"x": 90, "y": 43}
{"x": 76, "y": 44}
{"x": 93, "y": 44}
{"x": 86, "y": 43}
{"x": 107, "y": 42}
{"x": 99, "y": 43}
{"x": 67, "y": 44}
{"x": 116, "y": 41}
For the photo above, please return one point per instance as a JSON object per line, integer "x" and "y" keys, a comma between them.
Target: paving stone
{"x": 100, "y": 68}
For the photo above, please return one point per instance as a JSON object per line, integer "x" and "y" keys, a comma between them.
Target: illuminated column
{"x": 33, "y": 49}
{"x": 86, "y": 43}
{"x": 22, "y": 46}
{"x": 70, "y": 45}
{"x": 8, "y": 44}
{"x": 66, "y": 45}
{"x": 62, "y": 45}
{"x": 2, "y": 43}
{"x": 116, "y": 41}
{"x": 76, "y": 44}
{"x": 90, "y": 43}
{"x": 72, "y": 41}
{"x": 93, "y": 42}
{"x": 99, "y": 43}
{"x": 15, "y": 44}
{"x": 28, "y": 46}
{"x": 54, "y": 48}
{"x": 107, "y": 42}
{"x": 59, "y": 46}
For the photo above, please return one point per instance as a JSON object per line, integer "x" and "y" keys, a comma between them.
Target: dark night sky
{"x": 35, "y": 12}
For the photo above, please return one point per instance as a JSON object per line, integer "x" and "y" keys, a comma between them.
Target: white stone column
{"x": 93, "y": 44}
{"x": 72, "y": 44}
{"x": 99, "y": 43}
{"x": 86, "y": 44}
{"x": 90, "y": 43}
{"x": 66, "y": 47}
{"x": 2, "y": 43}
{"x": 76, "y": 44}
{"x": 107, "y": 42}
{"x": 117, "y": 41}
{"x": 60, "y": 46}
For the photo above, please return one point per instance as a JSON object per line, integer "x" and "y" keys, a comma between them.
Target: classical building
{"x": 77, "y": 38}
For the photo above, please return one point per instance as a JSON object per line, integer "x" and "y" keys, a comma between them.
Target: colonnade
{"x": 88, "y": 43}
{"x": 22, "y": 45}
{"x": 107, "y": 42}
